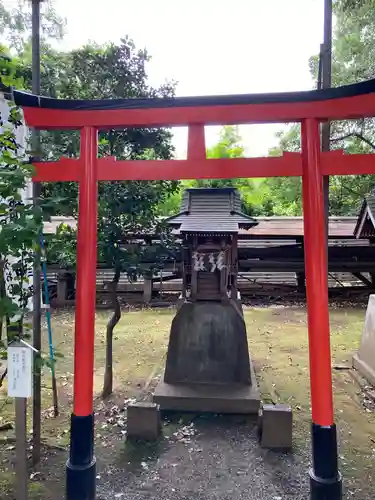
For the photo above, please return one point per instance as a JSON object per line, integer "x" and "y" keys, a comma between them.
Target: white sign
{"x": 20, "y": 361}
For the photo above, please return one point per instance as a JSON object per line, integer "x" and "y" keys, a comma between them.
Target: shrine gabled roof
{"x": 211, "y": 210}
{"x": 365, "y": 226}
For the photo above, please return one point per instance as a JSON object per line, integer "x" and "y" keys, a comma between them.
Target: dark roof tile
{"x": 211, "y": 210}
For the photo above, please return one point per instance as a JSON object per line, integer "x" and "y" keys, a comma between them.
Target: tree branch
{"x": 3, "y": 375}
{"x": 116, "y": 316}
{"x": 352, "y": 191}
{"x": 358, "y": 136}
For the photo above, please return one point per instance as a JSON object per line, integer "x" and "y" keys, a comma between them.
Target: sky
{"x": 210, "y": 47}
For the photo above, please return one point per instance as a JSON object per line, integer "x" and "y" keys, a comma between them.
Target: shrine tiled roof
{"x": 365, "y": 226}
{"x": 211, "y": 210}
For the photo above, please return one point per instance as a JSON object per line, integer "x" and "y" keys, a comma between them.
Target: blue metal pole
{"x": 49, "y": 324}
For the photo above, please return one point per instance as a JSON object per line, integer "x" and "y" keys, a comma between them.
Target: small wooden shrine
{"x": 208, "y": 224}
{"x": 365, "y": 227}
{"x": 208, "y": 366}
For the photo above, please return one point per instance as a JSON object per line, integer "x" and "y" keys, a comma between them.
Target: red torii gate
{"x": 310, "y": 109}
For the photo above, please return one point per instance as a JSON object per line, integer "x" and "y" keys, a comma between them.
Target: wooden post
{"x": 301, "y": 281}
{"x": 20, "y": 388}
{"x": 81, "y": 467}
{"x": 147, "y": 289}
{"x": 224, "y": 272}
{"x": 21, "y": 480}
{"x": 372, "y": 273}
{"x": 325, "y": 479}
{"x": 194, "y": 273}
{"x": 233, "y": 269}
{"x": 37, "y": 334}
{"x": 194, "y": 284}
{"x": 326, "y": 66}
{"x": 301, "y": 276}
{"x": 184, "y": 270}
{"x": 62, "y": 285}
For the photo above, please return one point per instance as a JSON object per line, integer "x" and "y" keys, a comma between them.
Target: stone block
{"x": 276, "y": 427}
{"x": 143, "y": 421}
{"x": 364, "y": 359}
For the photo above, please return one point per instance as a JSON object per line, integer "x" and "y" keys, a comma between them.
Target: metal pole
{"x": 327, "y": 83}
{"x": 36, "y": 271}
{"x": 80, "y": 481}
{"x": 325, "y": 479}
{"x": 49, "y": 328}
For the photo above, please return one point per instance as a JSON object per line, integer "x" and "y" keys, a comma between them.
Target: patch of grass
{"x": 278, "y": 340}
{"x": 6, "y": 409}
{"x": 6, "y": 483}
{"x": 140, "y": 341}
{"x": 135, "y": 454}
{"x": 37, "y": 491}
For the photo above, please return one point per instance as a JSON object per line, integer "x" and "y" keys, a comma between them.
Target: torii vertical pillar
{"x": 81, "y": 467}
{"x": 325, "y": 479}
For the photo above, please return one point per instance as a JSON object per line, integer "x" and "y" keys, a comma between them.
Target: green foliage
{"x": 229, "y": 145}
{"x": 353, "y": 61}
{"x": 284, "y": 193}
{"x": 62, "y": 247}
{"x": 15, "y": 25}
{"x": 350, "y": 5}
{"x": 98, "y": 72}
{"x": 95, "y": 72}
{"x": 128, "y": 209}
{"x": 21, "y": 224}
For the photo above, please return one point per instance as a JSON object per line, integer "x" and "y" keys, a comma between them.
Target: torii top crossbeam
{"x": 341, "y": 103}
{"x": 348, "y": 102}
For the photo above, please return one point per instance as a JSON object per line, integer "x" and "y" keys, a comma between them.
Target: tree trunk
{"x": 2, "y": 294}
{"x": 2, "y": 377}
{"x": 2, "y": 326}
{"x": 108, "y": 374}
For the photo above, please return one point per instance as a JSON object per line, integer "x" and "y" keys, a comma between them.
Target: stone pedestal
{"x": 364, "y": 360}
{"x": 208, "y": 398}
{"x": 208, "y": 368}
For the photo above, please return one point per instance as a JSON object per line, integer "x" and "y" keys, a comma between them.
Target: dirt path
{"x": 210, "y": 458}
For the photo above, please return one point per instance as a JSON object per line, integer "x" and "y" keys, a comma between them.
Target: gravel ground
{"x": 216, "y": 458}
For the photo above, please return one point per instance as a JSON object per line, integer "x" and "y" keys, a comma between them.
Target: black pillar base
{"x": 323, "y": 489}
{"x": 81, "y": 466}
{"x": 325, "y": 478}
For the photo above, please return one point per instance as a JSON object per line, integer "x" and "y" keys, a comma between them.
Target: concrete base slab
{"x": 207, "y": 398}
{"x": 364, "y": 369}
